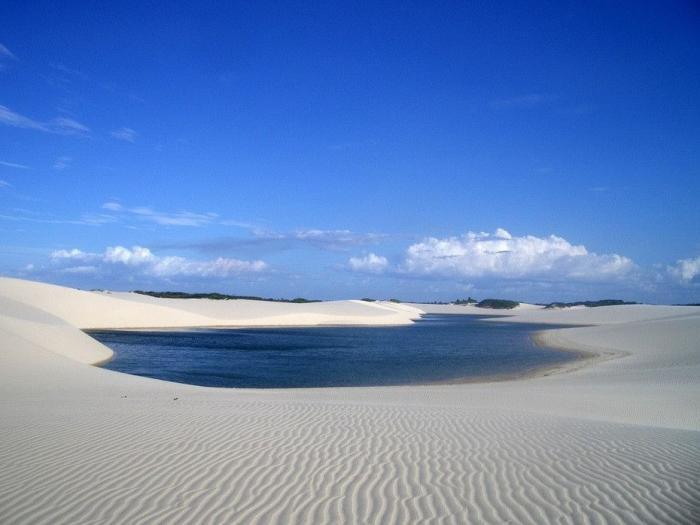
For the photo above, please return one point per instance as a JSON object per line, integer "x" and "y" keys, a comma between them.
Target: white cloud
{"x": 6, "y": 56}
{"x": 74, "y": 254}
{"x": 127, "y": 134}
{"x": 322, "y": 239}
{"x": 20, "y": 215}
{"x": 4, "y": 184}
{"x": 335, "y": 238}
{"x": 182, "y": 218}
{"x": 134, "y": 257}
{"x": 220, "y": 267}
{"x": 501, "y": 255}
{"x": 144, "y": 213}
{"x": 270, "y": 240}
{"x": 6, "y": 53}
{"x": 500, "y": 233}
{"x": 80, "y": 269}
{"x": 59, "y": 125}
{"x": 68, "y": 126}
{"x": 62, "y": 163}
{"x": 10, "y": 118}
{"x": 143, "y": 261}
{"x": 324, "y": 234}
{"x": 96, "y": 219}
{"x": 685, "y": 270}
{"x": 112, "y": 206}
{"x": 369, "y": 263}
{"x": 13, "y": 165}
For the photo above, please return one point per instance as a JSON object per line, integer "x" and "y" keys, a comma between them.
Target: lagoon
{"x": 437, "y": 348}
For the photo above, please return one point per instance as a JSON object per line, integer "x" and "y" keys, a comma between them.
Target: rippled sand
{"x": 614, "y": 441}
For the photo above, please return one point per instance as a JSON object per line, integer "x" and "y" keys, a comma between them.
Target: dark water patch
{"x": 438, "y": 348}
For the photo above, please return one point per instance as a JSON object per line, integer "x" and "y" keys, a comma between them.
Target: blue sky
{"x": 537, "y": 151}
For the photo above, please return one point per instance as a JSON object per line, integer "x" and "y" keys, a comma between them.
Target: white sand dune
{"x": 615, "y": 441}
{"x": 128, "y": 310}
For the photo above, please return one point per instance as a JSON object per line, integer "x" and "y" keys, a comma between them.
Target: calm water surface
{"x": 436, "y": 348}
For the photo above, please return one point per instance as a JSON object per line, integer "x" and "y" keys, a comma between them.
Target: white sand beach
{"x": 614, "y": 438}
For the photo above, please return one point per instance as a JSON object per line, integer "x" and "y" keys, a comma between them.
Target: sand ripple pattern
{"x": 284, "y": 462}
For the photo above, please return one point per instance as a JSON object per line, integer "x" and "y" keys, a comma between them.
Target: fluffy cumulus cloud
{"x": 141, "y": 260}
{"x": 369, "y": 263}
{"x": 686, "y": 270}
{"x": 502, "y": 255}
{"x": 135, "y": 256}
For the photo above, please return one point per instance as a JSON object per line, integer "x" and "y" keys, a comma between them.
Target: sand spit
{"x": 617, "y": 441}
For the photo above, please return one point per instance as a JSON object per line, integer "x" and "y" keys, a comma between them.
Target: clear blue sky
{"x": 337, "y": 150}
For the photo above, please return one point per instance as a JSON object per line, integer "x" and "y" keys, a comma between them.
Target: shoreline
{"x": 581, "y": 359}
{"x": 238, "y": 327}
{"x": 588, "y": 355}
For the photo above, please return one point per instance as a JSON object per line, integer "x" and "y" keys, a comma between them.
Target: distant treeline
{"x": 505, "y": 304}
{"x": 221, "y": 297}
{"x": 494, "y": 304}
{"x": 497, "y": 304}
{"x": 590, "y": 304}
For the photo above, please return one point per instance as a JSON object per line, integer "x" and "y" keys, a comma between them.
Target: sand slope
{"x": 128, "y": 310}
{"x": 614, "y": 442}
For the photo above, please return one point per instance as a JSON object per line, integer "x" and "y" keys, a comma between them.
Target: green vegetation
{"x": 590, "y": 304}
{"x": 221, "y": 297}
{"x": 469, "y": 300}
{"x": 497, "y": 304}
{"x": 394, "y": 301}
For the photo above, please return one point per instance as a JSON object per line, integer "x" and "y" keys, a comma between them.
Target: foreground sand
{"x": 616, "y": 441}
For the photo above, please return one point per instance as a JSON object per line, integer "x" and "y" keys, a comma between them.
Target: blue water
{"x": 436, "y": 348}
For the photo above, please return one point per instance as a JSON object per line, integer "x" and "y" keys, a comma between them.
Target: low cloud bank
{"x": 141, "y": 260}
{"x": 502, "y": 255}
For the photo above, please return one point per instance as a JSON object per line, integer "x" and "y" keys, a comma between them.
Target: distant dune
{"x": 613, "y": 439}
